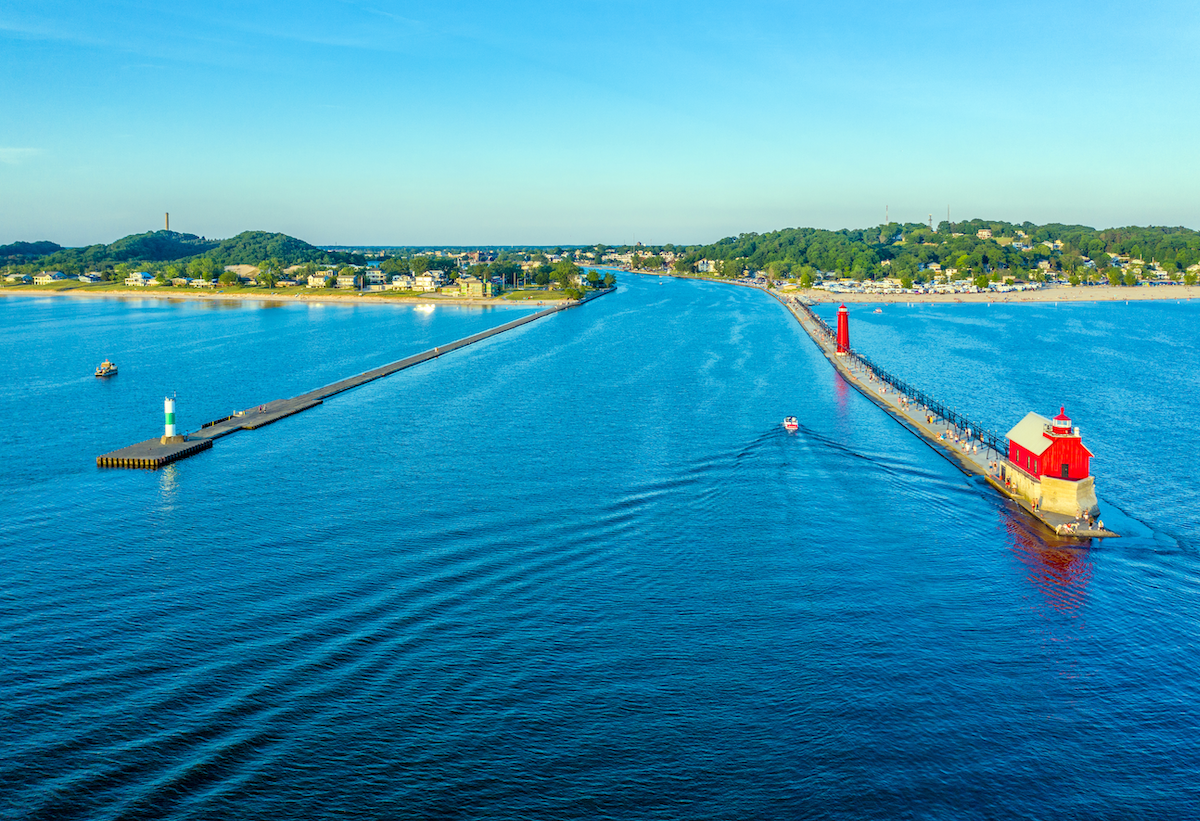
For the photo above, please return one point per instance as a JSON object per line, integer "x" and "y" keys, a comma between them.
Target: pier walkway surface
{"x": 972, "y": 448}
{"x": 154, "y": 453}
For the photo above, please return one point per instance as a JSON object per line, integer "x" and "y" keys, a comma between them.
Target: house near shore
{"x": 429, "y": 281}
{"x": 246, "y": 273}
{"x": 138, "y": 279}
{"x": 18, "y": 278}
{"x": 474, "y": 287}
{"x": 48, "y": 277}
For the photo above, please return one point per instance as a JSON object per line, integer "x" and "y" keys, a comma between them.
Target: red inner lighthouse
{"x": 843, "y": 331}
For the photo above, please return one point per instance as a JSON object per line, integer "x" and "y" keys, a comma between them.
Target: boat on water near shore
{"x": 791, "y": 423}
{"x": 106, "y": 368}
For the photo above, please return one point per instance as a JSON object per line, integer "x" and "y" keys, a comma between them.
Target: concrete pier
{"x": 154, "y": 453}
{"x": 968, "y": 454}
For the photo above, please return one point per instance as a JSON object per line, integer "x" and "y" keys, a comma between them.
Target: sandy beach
{"x": 365, "y": 297}
{"x": 1094, "y": 293}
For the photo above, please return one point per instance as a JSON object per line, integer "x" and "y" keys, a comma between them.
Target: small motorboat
{"x": 791, "y": 423}
{"x": 877, "y": 311}
{"x": 106, "y": 368}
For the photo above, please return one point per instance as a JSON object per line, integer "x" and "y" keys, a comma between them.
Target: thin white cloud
{"x": 16, "y": 156}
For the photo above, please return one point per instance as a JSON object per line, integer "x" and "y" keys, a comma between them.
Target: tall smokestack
{"x": 168, "y": 220}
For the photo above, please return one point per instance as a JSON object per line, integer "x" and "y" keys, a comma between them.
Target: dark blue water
{"x": 576, "y": 571}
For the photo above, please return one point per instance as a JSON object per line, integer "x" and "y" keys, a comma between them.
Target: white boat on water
{"x": 791, "y": 423}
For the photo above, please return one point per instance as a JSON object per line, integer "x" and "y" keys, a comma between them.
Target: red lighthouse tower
{"x": 843, "y": 331}
{"x": 1048, "y": 447}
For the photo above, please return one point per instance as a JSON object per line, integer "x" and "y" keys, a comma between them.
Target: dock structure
{"x": 971, "y": 447}
{"x": 152, "y": 453}
{"x": 155, "y": 453}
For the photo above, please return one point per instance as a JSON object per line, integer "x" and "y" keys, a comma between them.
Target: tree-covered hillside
{"x": 20, "y": 251}
{"x": 155, "y": 248}
{"x": 249, "y": 247}
{"x": 907, "y": 250}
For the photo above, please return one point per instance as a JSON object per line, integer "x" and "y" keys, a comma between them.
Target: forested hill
{"x": 973, "y": 247}
{"x": 19, "y": 251}
{"x": 248, "y": 247}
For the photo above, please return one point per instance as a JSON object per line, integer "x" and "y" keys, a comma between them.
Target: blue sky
{"x": 382, "y": 122}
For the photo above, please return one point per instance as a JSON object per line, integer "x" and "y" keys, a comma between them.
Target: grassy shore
{"x": 112, "y": 289}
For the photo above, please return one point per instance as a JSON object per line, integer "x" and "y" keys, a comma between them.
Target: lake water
{"x": 580, "y": 570}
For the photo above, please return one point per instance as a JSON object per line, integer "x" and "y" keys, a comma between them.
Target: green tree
{"x": 229, "y": 278}
{"x": 418, "y": 265}
{"x": 593, "y": 278}
{"x": 201, "y": 268}
{"x": 610, "y": 280}
{"x": 1189, "y": 279}
{"x": 565, "y": 273}
{"x": 981, "y": 282}
{"x": 1131, "y": 279}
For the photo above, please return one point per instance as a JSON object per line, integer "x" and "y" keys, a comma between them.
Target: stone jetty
{"x": 154, "y": 453}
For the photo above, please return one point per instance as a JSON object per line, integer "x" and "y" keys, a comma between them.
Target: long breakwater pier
{"x": 973, "y": 448}
{"x": 156, "y": 453}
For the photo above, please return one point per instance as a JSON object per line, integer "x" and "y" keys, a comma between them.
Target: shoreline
{"x": 358, "y": 298}
{"x": 1093, "y": 293}
{"x": 1090, "y": 293}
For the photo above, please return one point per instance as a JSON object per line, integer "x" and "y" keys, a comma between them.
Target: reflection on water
{"x": 1060, "y": 570}
{"x": 168, "y": 486}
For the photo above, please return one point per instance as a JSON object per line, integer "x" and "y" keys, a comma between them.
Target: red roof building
{"x": 1049, "y": 447}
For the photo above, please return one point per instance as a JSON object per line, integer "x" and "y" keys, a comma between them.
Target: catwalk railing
{"x": 987, "y": 438}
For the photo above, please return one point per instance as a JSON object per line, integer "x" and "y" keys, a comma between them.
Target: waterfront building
{"x": 475, "y": 287}
{"x": 1049, "y": 465}
{"x": 47, "y": 277}
{"x": 430, "y": 281}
